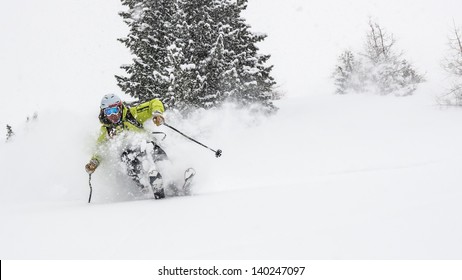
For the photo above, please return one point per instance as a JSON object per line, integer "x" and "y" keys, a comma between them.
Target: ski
{"x": 188, "y": 177}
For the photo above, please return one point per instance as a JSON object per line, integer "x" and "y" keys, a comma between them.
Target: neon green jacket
{"x": 132, "y": 120}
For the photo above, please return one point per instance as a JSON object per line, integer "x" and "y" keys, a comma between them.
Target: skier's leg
{"x": 158, "y": 153}
{"x": 170, "y": 181}
{"x": 156, "y": 182}
{"x": 133, "y": 166}
{"x": 155, "y": 178}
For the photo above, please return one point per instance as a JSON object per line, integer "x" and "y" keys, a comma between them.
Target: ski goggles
{"x": 111, "y": 111}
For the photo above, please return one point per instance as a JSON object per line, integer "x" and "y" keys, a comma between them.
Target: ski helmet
{"x": 111, "y": 108}
{"x": 110, "y": 100}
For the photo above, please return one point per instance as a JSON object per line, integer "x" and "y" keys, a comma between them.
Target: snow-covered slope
{"x": 328, "y": 177}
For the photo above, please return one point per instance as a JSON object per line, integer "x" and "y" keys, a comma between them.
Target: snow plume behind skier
{"x": 123, "y": 139}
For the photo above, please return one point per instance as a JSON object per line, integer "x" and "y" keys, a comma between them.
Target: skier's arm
{"x": 150, "y": 110}
{"x": 156, "y": 106}
{"x": 157, "y": 109}
{"x": 101, "y": 139}
{"x": 91, "y": 166}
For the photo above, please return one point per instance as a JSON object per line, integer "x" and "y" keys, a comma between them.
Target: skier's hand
{"x": 91, "y": 166}
{"x": 158, "y": 119}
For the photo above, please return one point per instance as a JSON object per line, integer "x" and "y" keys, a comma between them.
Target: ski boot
{"x": 156, "y": 182}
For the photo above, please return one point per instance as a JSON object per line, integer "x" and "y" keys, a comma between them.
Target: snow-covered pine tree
{"x": 248, "y": 76}
{"x": 347, "y": 74}
{"x": 196, "y": 43}
{"x": 223, "y": 49}
{"x": 9, "y": 132}
{"x": 200, "y": 55}
{"x": 151, "y": 33}
{"x": 180, "y": 69}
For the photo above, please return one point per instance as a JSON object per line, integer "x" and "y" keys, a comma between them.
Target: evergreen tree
{"x": 151, "y": 34}
{"x": 181, "y": 69}
{"x": 198, "y": 43}
{"x": 194, "y": 54}
{"x": 248, "y": 78}
{"x": 347, "y": 75}
{"x": 9, "y": 132}
{"x": 224, "y": 52}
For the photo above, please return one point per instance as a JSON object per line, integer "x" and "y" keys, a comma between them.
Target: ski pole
{"x": 91, "y": 189}
{"x": 217, "y": 152}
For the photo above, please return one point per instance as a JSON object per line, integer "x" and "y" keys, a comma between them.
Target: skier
{"x": 116, "y": 118}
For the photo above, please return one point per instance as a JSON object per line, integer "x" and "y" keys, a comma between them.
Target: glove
{"x": 91, "y": 166}
{"x": 158, "y": 119}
